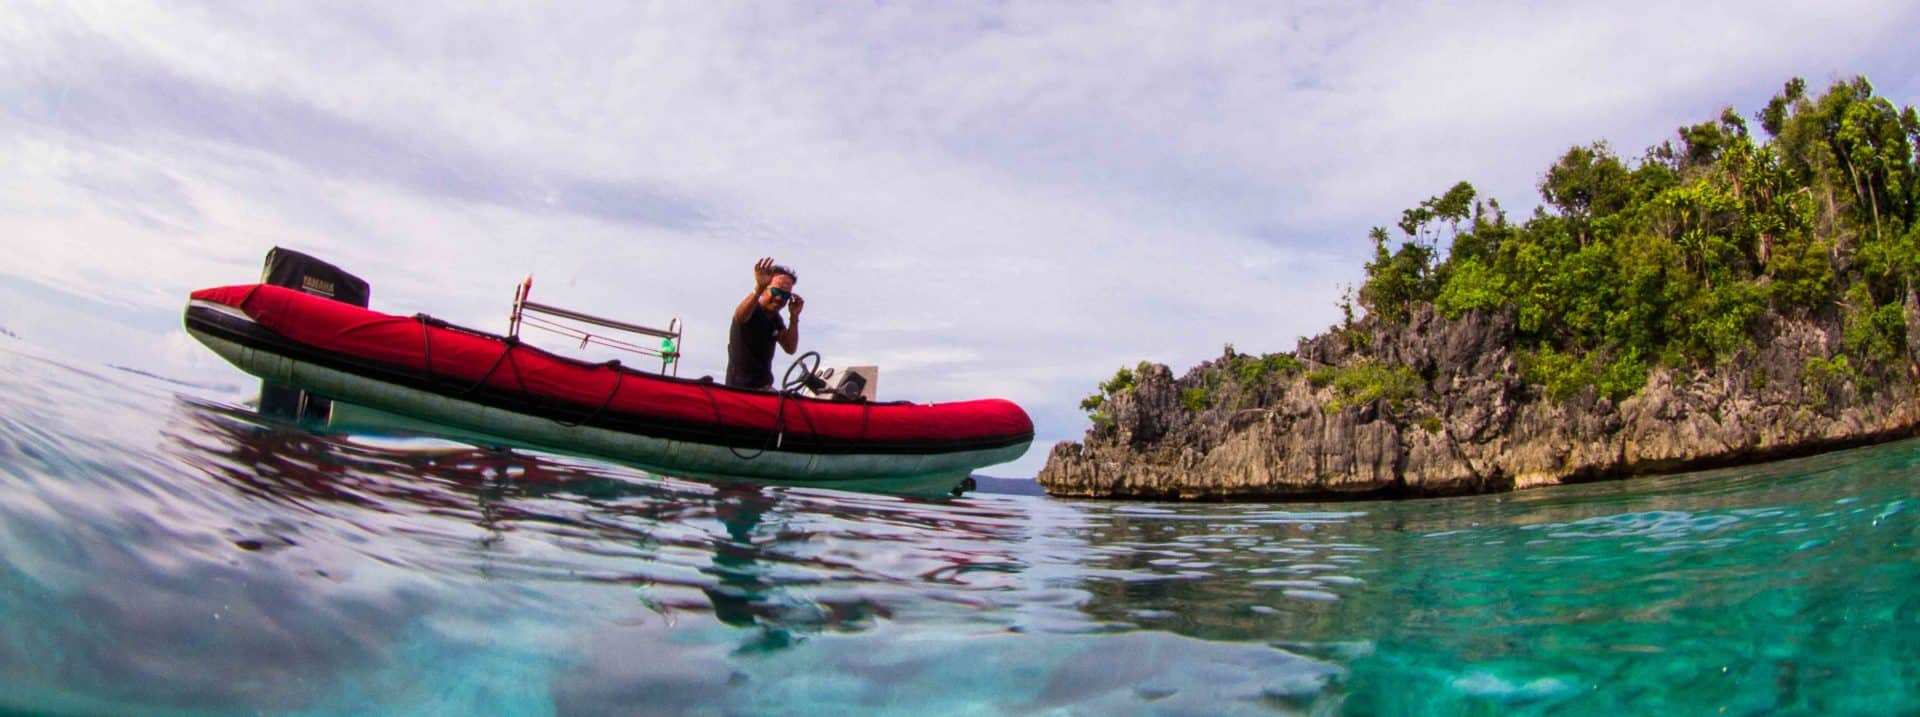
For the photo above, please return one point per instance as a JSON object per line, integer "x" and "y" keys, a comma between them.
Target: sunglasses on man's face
{"x": 780, "y": 294}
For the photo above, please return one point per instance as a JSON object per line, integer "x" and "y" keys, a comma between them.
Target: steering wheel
{"x": 791, "y": 383}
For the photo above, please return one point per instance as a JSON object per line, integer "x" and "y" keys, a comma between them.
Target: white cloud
{"x": 1007, "y": 199}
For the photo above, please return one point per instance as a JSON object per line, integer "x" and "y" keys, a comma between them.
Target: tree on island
{"x": 1676, "y": 258}
{"x": 1732, "y": 294}
{"x": 1673, "y": 259}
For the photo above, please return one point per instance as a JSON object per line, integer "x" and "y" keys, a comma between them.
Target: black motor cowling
{"x": 294, "y": 270}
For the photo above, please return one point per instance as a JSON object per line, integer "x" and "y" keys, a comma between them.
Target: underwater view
{"x": 164, "y": 550}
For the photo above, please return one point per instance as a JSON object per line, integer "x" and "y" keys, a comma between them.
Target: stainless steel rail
{"x": 668, "y": 351}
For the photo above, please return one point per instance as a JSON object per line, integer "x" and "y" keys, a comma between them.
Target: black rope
{"x": 426, "y": 344}
{"x": 427, "y": 323}
{"x": 619, "y": 377}
{"x": 506, "y": 356}
{"x": 789, "y": 386}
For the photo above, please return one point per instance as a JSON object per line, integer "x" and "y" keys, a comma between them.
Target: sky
{"x": 983, "y": 199}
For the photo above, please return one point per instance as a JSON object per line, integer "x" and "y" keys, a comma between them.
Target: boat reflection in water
{"x": 662, "y": 586}
{"x": 738, "y": 547}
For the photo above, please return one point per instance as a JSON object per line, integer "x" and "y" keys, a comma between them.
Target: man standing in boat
{"x": 757, "y": 326}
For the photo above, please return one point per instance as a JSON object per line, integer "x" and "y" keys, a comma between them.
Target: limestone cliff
{"x": 1731, "y": 295}
{"x": 1463, "y": 420}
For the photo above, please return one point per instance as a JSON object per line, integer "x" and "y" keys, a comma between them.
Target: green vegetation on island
{"x": 1677, "y": 258}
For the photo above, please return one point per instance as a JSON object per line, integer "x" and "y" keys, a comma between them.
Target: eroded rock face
{"x": 1474, "y": 425}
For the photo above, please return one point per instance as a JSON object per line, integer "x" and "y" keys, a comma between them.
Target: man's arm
{"x": 790, "y": 337}
{"x": 762, "y": 275}
{"x": 745, "y": 309}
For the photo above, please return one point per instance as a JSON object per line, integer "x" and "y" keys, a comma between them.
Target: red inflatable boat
{"x": 496, "y": 390}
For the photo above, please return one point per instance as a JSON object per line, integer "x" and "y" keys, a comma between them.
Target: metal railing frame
{"x": 669, "y": 353}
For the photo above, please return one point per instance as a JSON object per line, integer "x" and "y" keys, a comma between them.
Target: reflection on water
{"x": 167, "y": 551}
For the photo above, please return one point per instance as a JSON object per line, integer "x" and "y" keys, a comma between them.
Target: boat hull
{"x": 378, "y": 403}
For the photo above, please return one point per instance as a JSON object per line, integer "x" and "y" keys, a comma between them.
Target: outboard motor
{"x": 294, "y": 270}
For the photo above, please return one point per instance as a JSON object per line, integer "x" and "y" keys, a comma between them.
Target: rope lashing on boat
{"x": 426, "y": 344}
{"x": 619, "y": 377}
{"x": 506, "y": 354}
{"x": 789, "y": 386}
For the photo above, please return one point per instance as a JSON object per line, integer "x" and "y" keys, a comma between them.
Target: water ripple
{"x": 155, "y": 544}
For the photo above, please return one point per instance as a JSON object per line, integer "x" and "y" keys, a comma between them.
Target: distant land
{"x": 174, "y": 381}
{"x": 1748, "y": 290}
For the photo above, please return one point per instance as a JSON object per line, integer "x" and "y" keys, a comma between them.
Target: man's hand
{"x": 762, "y": 273}
{"x": 794, "y": 305}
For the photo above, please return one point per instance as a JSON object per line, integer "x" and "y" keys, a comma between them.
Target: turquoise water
{"x": 162, "y": 551}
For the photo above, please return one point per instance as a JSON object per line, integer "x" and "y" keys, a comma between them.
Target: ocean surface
{"x": 165, "y": 551}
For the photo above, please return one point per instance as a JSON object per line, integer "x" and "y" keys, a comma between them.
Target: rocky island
{"x": 1723, "y": 299}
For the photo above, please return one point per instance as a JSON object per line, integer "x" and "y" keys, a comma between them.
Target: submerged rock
{"x": 1440, "y": 407}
